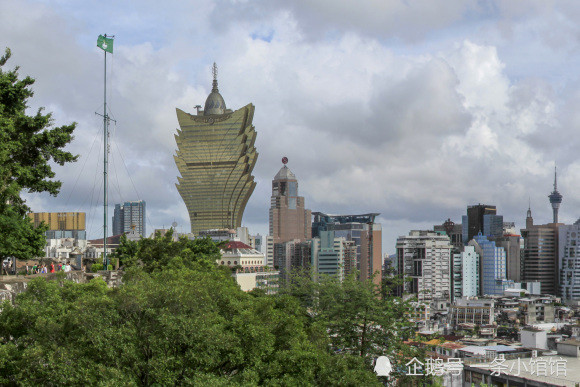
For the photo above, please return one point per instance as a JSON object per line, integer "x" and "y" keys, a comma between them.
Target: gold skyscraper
{"x": 215, "y": 157}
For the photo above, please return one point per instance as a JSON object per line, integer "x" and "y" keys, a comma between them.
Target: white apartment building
{"x": 424, "y": 256}
{"x": 569, "y": 261}
{"x": 466, "y": 273}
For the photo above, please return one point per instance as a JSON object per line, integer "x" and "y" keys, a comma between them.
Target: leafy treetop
{"x": 27, "y": 143}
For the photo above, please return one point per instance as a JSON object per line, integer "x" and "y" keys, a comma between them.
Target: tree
{"x": 359, "y": 318}
{"x": 20, "y": 239}
{"x": 28, "y": 144}
{"x": 182, "y": 323}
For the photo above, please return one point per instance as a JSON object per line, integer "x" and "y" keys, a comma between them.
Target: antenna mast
{"x": 105, "y": 42}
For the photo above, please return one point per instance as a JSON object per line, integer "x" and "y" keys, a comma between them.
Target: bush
{"x": 96, "y": 267}
{"x": 110, "y": 267}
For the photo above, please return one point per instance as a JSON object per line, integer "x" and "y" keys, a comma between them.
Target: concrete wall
{"x": 568, "y": 350}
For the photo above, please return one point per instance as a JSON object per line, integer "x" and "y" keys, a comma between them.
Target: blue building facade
{"x": 493, "y": 277}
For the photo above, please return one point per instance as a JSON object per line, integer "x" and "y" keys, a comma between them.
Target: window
{"x": 292, "y": 188}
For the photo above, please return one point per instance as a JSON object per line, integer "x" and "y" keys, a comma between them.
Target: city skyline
{"x": 413, "y": 112}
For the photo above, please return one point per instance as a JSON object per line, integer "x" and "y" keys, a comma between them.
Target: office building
{"x": 424, "y": 257}
{"x": 540, "y": 254}
{"x": 511, "y": 243}
{"x": 289, "y": 220}
{"x": 129, "y": 216}
{"x": 363, "y": 232}
{"x": 569, "y": 261}
{"x": 215, "y": 157}
{"x": 61, "y": 224}
{"x": 328, "y": 254}
{"x": 466, "y": 273}
{"x": 481, "y": 218}
{"x": 493, "y": 274}
{"x": 58, "y": 221}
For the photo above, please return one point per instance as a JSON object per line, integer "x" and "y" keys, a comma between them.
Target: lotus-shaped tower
{"x": 215, "y": 157}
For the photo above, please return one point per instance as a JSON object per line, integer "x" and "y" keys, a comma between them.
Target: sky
{"x": 413, "y": 109}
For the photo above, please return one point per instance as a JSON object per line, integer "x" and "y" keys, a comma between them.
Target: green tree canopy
{"x": 28, "y": 144}
{"x": 175, "y": 325}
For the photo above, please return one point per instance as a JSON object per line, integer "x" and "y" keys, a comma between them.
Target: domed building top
{"x": 214, "y": 104}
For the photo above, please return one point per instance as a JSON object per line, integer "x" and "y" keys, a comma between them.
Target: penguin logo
{"x": 383, "y": 366}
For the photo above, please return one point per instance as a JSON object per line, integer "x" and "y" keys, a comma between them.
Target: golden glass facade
{"x": 59, "y": 220}
{"x": 215, "y": 157}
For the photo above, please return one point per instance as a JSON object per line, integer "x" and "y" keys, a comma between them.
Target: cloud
{"x": 405, "y": 108}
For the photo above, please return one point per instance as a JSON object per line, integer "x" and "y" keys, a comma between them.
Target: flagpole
{"x": 105, "y": 166}
{"x": 103, "y": 42}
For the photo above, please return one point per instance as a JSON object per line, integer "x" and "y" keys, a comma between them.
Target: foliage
{"x": 28, "y": 144}
{"x": 126, "y": 251}
{"x": 184, "y": 322}
{"x": 97, "y": 267}
{"x": 357, "y": 319}
{"x": 157, "y": 253}
{"x": 19, "y": 237}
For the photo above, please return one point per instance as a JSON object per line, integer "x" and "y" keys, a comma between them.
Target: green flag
{"x": 105, "y": 43}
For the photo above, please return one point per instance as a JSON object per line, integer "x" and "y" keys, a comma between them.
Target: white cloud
{"x": 405, "y": 108}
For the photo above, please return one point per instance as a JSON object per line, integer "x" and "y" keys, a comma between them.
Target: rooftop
{"x": 285, "y": 174}
{"x": 524, "y": 369}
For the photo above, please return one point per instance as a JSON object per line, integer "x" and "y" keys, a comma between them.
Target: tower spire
{"x": 214, "y": 71}
{"x": 555, "y": 197}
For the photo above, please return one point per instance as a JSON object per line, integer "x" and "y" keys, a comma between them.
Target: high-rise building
{"x": 569, "y": 261}
{"x": 481, "y": 218}
{"x": 466, "y": 273}
{"x": 328, "y": 254}
{"x": 364, "y": 232}
{"x": 555, "y": 198}
{"x": 540, "y": 254}
{"x": 371, "y": 253}
{"x": 493, "y": 277}
{"x": 61, "y": 224}
{"x": 512, "y": 245}
{"x": 424, "y": 257}
{"x": 291, "y": 255}
{"x": 215, "y": 157}
{"x": 289, "y": 220}
{"x": 129, "y": 216}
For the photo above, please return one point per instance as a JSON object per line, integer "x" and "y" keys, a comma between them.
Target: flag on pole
{"x": 105, "y": 43}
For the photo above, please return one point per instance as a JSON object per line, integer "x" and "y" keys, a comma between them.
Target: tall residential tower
{"x": 215, "y": 157}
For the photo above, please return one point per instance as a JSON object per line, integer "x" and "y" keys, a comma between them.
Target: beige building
{"x": 540, "y": 254}
{"x": 248, "y": 267}
{"x": 59, "y": 220}
{"x": 371, "y": 253}
{"x": 289, "y": 220}
{"x": 215, "y": 157}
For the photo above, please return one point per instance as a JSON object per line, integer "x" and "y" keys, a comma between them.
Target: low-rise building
{"x": 478, "y": 312}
